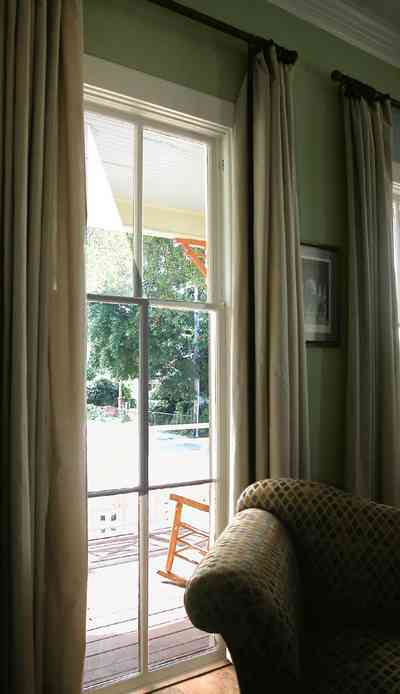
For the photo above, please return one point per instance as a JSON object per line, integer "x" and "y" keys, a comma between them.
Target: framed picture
{"x": 319, "y": 265}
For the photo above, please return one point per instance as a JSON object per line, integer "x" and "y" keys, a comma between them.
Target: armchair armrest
{"x": 247, "y": 589}
{"x": 348, "y": 549}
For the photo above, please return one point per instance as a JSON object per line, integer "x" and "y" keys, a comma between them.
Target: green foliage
{"x": 127, "y": 394}
{"x": 114, "y": 340}
{"x": 178, "y": 357}
{"x": 178, "y": 340}
{"x": 109, "y": 262}
{"x": 102, "y": 391}
{"x": 169, "y": 274}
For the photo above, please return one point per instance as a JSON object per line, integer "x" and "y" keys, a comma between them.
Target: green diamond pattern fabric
{"x": 353, "y": 661}
{"x": 272, "y": 594}
{"x": 304, "y": 586}
{"x": 348, "y": 549}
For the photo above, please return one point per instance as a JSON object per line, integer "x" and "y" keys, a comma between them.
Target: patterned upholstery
{"x": 353, "y": 661}
{"x": 250, "y": 593}
{"x": 348, "y": 548}
{"x": 304, "y": 585}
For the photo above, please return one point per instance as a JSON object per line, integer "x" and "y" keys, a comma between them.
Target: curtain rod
{"x": 285, "y": 55}
{"x": 358, "y": 88}
{"x": 254, "y": 44}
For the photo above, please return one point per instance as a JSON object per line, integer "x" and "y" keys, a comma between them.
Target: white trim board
{"x": 151, "y": 90}
{"x": 359, "y": 28}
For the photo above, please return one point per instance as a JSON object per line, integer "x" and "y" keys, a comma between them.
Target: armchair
{"x": 304, "y": 587}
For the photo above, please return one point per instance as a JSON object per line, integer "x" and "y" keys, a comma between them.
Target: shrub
{"x": 102, "y": 391}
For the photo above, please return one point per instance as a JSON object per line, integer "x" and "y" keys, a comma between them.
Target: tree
{"x": 177, "y": 359}
{"x": 114, "y": 340}
{"x": 178, "y": 340}
{"x": 168, "y": 274}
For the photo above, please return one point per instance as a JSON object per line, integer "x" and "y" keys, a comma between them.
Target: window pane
{"x": 178, "y": 396}
{"x": 174, "y": 217}
{"x": 112, "y": 643}
{"x": 109, "y": 188}
{"x": 112, "y": 396}
{"x": 172, "y": 637}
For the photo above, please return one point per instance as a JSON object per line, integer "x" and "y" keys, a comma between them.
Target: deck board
{"x": 112, "y": 649}
{"x": 118, "y": 655}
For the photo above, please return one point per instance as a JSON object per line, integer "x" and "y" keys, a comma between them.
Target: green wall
{"x": 136, "y": 34}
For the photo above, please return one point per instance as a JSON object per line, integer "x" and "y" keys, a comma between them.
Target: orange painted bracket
{"x": 189, "y": 248}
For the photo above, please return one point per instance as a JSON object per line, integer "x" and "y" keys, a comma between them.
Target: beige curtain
{"x": 373, "y": 411}
{"x": 275, "y": 410}
{"x": 42, "y": 213}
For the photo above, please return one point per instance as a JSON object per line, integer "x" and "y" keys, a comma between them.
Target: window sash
{"x": 215, "y": 307}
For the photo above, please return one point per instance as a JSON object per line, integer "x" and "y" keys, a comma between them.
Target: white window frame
{"x": 151, "y": 102}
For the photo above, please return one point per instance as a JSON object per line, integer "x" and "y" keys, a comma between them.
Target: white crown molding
{"x": 361, "y": 29}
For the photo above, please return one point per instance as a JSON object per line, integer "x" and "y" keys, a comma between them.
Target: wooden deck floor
{"x": 112, "y": 650}
{"x": 118, "y": 656}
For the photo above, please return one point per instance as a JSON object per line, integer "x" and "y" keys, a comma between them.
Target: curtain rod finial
{"x": 356, "y": 89}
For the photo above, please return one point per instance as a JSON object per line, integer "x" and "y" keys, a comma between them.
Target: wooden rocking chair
{"x": 185, "y": 538}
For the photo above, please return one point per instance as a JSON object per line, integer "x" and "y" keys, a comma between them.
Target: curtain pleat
{"x": 42, "y": 213}
{"x": 373, "y": 432}
{"x": 280, "y": 398}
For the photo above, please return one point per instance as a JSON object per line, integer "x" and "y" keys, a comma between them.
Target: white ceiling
{"x": 372, "y": 25}
{"x": 173, "y": 172}
{"x": 388, "y": 11}
{"x": 174, "y": 169}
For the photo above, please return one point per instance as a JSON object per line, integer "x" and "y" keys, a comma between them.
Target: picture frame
{"x": 320, "y": 294}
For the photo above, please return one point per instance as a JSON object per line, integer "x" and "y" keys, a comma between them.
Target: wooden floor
{"x": 222, "y": 681}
